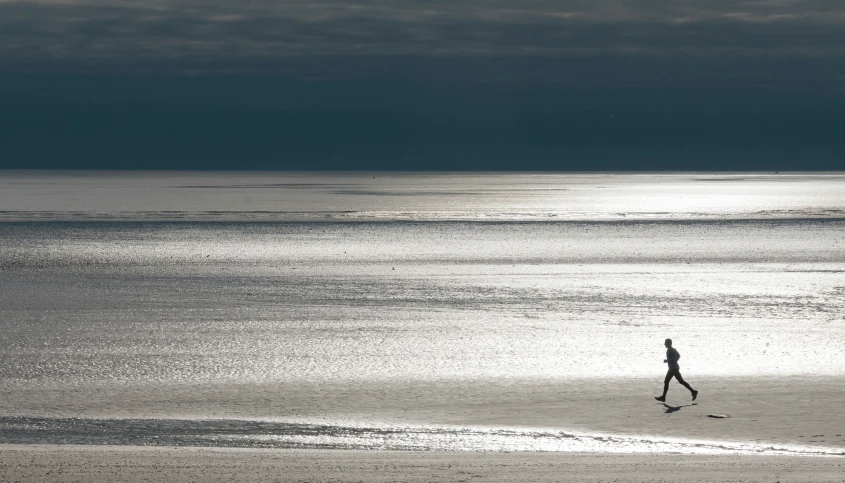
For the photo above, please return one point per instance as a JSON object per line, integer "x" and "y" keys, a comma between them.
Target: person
{"x": 672, "y": 357}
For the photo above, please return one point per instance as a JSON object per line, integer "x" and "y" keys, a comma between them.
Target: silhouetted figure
{"x": 672, "y": 357}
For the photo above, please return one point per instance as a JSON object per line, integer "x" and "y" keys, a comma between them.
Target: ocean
{"x": 388, "y": 310}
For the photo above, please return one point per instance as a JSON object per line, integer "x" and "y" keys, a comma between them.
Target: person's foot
{"x": 660, "y": 398}
{"x": 694, "y": 395}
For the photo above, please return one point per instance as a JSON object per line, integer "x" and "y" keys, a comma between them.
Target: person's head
{"x": 668, "y": 343}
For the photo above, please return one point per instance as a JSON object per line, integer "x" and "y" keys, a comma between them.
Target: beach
{"x": 131, "y": 464}
{"x": 797, "y": 415}
{"x": 359, "y": 327}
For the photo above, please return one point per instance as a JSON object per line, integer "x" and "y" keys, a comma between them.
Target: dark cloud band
{"x": 201, "y": 32}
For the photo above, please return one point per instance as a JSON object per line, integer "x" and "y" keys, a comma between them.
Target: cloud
{"x": 227, "y": 36}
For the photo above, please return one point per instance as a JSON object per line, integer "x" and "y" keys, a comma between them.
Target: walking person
{"x": 672, "y": 357}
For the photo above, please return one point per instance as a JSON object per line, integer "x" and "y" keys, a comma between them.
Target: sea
{"x": 344, "y": 310}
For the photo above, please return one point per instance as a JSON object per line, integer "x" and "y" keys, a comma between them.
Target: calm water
{"x": 123, "y": 294}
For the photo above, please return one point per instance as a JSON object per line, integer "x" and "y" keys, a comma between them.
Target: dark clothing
{"x": 676, "y": 373}
{"x": 672, "y": 357}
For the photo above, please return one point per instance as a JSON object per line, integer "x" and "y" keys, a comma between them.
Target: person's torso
{"x": 672, "y": 356}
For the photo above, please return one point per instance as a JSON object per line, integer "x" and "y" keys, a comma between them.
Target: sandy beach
{"x": 778, "y": 412}
{"x": 135, "y": 464}
{"x": 787, "y": 411}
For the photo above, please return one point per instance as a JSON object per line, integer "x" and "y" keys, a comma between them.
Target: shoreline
{"x": 244, "y": 434}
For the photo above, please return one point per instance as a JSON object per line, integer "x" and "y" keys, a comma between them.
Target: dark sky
{"x": 416, "y": 84}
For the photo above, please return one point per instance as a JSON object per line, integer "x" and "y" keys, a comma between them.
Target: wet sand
{"x": 139, "y": 464}
{"x": 794, "y": 410}
{"x": 790, "y": 410}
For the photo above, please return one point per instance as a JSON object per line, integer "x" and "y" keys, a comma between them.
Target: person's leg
{"x": 682, "y": 381}
{"x": 668, "y": 378}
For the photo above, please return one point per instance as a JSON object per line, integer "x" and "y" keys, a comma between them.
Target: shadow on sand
{"x": 672, "y": 409}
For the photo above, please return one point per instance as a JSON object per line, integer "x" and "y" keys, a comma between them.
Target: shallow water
{"x": 269, "y": 434}
{"x": 381, "y": 301}
{"x": 307, "y": 196}
{"x": 579, "y": 278}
